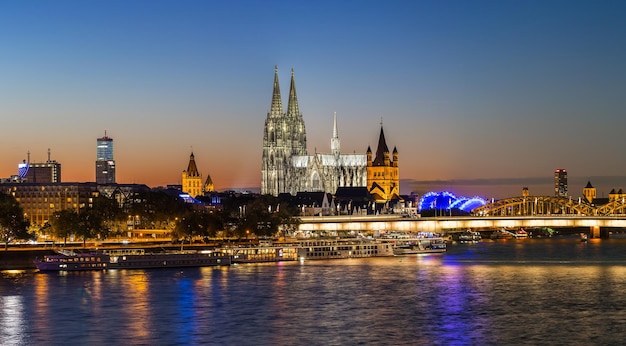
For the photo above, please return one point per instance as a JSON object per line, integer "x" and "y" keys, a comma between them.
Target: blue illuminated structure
{"x": 448, "y": 201}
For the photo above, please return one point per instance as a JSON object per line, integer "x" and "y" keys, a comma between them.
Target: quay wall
{"x": 21, "y": 259}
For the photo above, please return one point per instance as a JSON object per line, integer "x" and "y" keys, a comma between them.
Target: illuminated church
{"x": 288, "y": 168}
{"x": 192, "y": 180}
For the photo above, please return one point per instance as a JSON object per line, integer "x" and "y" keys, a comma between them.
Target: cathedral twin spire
{"x": 277, "y": 104}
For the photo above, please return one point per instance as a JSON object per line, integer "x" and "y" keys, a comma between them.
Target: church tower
{"x": 208, "y": 185}
{"x": 589, "y": 192}
{"x": 383, "y": 179}
{"x": 192, "y": 179}
{"x": 284, "y": 136}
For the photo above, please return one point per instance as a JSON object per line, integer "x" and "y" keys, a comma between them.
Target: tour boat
{"x": 343, "y": 248}
{"x": 129, "y": 259}
{"x": 70, "y": 261}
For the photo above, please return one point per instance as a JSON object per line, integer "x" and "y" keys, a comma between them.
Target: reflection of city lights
{"x": 12, "y": 319}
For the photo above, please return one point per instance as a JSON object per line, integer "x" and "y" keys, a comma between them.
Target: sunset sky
{"x": 479, "y": 97}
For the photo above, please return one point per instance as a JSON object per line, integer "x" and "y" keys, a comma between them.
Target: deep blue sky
{"x": 471, "y": 92}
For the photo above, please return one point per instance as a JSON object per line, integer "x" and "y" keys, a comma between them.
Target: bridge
{"x": 550, "y": 205}
{"x": 378, "y": 223}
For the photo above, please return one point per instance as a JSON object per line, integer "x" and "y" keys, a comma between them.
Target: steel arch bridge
{"x": 548, "y": 205}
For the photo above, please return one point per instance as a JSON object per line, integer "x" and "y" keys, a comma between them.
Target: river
{"x": 545, "y": 291}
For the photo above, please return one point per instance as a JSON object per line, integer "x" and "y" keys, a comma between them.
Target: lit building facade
{"x": 41, "y": 201}
{"x": 105, "y": 164}
{"x": 287, "y": 167}
{"x": 43, "y": 172}
{"x": 192, "y": 179}
{"x": 383, "y": 176}
{"x": 560, "y": 182}
{"x": 589, "y": 192}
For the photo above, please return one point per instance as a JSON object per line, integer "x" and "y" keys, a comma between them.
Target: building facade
{"x": 40, "y": 201}
{"x": 383, "y": 178}
{"x": 287, "y": 167}
{"x": 105, "y": 164}
{"x": 192, "y": 179}
{"x": 560, "y": 182}
{"x": 42, "y": 172}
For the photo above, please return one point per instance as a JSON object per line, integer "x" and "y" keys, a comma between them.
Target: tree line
{"x": 239, "y": 216}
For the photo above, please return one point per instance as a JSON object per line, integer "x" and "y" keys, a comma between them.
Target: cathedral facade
{"x": 286, "y": 165}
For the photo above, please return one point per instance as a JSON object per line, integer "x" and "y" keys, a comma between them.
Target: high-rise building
{"x": 40, "y": 172}
{"x": 560, "y": 182}
{"x": 105, "y": 165}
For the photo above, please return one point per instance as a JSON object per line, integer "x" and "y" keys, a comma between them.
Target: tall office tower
{"x": 44, "y": 172}
{"x": 560, "y": 182}
{"x": 105, "y": 165}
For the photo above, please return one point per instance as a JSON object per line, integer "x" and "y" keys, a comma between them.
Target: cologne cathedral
{"x": 288, "y": 168}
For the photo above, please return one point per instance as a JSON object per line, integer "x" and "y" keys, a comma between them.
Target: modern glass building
{"x": 105, "y": 164}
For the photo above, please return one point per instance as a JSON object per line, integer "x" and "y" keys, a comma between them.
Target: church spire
{"x": 292, "y": 107}
{"x": 277, "y": 102}
{"x": 192, "y": 169}
{"x": 382, "y": 151}
{"x": 334, "y": 142}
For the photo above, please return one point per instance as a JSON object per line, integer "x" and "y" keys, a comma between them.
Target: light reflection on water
{"x": 530, "y": 292}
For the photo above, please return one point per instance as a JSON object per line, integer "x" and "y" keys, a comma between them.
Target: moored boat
{"x": 71, "y": 261}
{"x": 467, "y": 236}
{"x": 343, "y": 248}
{"x": 261, "y": 254}
{"x": 420, "y": 246}
{"x": 129, "y": 259}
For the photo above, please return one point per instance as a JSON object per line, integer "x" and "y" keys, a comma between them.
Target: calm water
{"x": 556, "y": 291}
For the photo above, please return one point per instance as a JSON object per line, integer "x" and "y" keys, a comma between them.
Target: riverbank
{"x": 21, "y": 259}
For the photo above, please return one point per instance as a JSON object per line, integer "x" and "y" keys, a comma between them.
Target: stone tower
{"x": 383, "y": 179}
{"x": 192, "y": 179}
{"x": 589, "y": 192}
{"x": 284, "y": 136}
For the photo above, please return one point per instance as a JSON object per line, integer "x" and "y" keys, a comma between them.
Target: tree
{"x": 189, "y": 226}
{"x": 13, "y": 224}
{"x": 111, "y": 214}
{"x": 64, "y": 224}
{"x": 90, "y": 224}
{"x": 155, "y": 208}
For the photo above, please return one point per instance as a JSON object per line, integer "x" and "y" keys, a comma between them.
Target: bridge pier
{"x": 594, "y": 232}
{"x": 599, "y": 232}
{"x": 604, "y": 232}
